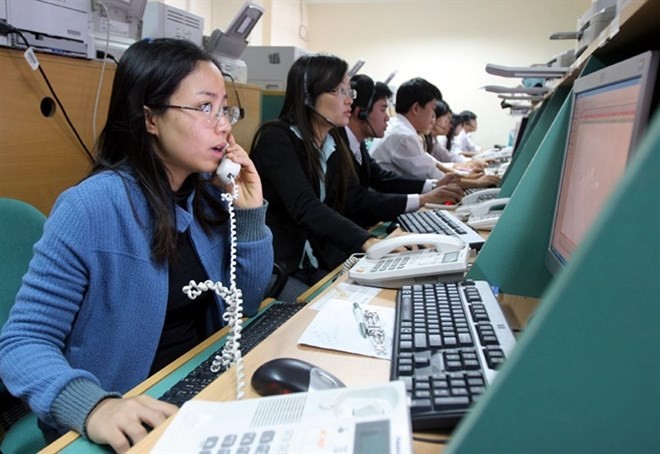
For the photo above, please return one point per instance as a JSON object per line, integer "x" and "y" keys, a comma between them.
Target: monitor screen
{"x": 520, "y": 132}
{"x": 610, "y": 109}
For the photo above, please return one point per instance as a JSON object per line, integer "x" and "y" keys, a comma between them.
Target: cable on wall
{"x": 5, "y": 29}
{"x": 303, "y": 31}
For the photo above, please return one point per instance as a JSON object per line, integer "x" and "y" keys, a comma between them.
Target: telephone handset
{"x": 482, "y": 208}
{"x": 227, "y": 170}
{"x": 445, "y": 259}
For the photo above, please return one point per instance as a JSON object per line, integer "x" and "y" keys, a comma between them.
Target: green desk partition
{"x": 584, "y": 375}
{"x": 271, "y": 105}
{"x": 513, "y": 257}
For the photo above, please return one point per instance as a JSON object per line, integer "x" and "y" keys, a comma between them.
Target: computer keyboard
{"x": 449, "y": 339}
{"x": 442, "y": 222}
{"x": 262, "y": 326}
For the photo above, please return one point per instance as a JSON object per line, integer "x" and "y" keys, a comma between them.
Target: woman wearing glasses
{"x": 102, "y": 307}
{"x": 291, "y": 155}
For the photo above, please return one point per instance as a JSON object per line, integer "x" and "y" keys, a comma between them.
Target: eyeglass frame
{"x": 223, "y": 112}
{"x": 345, "y": 92}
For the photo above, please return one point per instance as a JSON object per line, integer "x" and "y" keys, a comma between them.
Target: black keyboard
{"x": 442, "y": 222}
{"x": 261, "y": 327}
{"x": 449, "y": 339}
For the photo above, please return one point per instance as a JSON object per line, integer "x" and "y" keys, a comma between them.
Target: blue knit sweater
{"x": 89, "y": 315}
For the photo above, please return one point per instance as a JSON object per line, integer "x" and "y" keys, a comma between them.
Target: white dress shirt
{"x": 401, "y": 151}
{"x": 463, "y": 142}
{"x": 440, "y": 152}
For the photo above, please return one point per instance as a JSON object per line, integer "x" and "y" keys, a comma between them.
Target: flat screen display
{"x": 609, "y": 111}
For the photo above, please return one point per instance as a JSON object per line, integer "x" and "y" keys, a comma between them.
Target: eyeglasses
{"x": 346, "y": 93}
{"x": 230, "y": 114}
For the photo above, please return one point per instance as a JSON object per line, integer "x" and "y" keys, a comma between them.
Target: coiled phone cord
{"x": 233, "y": 297}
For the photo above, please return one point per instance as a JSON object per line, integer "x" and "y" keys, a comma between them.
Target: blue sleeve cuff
{"x": 251, "y": 223}
{"x": 76, "y": 401}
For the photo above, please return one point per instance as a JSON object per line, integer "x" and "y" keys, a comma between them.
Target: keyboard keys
{"x": 442, "y": 222}
{"x": 446, "y": 348}
{"x": 200, "y": 377}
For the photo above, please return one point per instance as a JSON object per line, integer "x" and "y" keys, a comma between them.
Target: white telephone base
{"x": 447, "y": 260}
{"x": 485, "y": 221}
{"x": 374, "y": 417}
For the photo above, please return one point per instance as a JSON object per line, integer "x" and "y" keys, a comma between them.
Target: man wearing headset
{"x": 382, "y": 195}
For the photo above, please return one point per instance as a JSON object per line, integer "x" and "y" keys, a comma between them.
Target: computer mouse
{"x": 291, "y": 375}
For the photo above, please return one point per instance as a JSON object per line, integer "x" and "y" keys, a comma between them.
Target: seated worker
{"x": 435, "y": 142}
{"x": 101, "y": 306}
{"x": 462, "y": 142}
{"x": 291, "y": 156}
{"x": 382, "y": 195}
{"x": 401, "y": 149}
{"x": 471, "y": 170}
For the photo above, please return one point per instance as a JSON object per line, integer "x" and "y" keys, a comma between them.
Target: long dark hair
{"x": 309, "y": 77}
{"x": 456, "y": 121}
{"x": 441, "y": 109}
{"x": 148, "y": 73}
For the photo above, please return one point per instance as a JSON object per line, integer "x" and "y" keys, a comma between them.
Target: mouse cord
{"x": 233, "y": 296}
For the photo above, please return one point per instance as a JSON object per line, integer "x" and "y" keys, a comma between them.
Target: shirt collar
{"x": 353, "y": 142}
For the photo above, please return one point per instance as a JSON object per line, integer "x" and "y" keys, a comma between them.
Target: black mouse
{"x": 291, "y": 375}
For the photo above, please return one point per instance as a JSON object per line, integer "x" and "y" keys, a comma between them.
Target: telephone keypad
{"x": 245, "y": 443}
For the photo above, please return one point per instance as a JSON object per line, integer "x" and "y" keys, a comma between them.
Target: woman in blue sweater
{"x": 102, "y": 307}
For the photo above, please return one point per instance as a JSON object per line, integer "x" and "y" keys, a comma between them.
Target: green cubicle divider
{"x": 526, "y": 152}
{"x": 513, "y": 257}
{"x": 584, "y": 375}
{"x": 271, "y": 105}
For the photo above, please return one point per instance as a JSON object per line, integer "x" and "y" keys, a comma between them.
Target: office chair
{"x": 21, "y": 225}
{"x": 277, "y": 281}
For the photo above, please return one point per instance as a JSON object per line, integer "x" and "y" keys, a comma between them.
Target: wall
{"x": 448, "y": 42}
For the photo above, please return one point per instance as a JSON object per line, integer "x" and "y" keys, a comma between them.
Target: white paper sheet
{"x": 335, "y": 328}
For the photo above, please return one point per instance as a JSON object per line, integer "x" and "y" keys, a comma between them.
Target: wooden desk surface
{"x": 353, "y": 370}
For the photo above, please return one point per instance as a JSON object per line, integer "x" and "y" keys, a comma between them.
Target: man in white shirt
{"x": 382, "y": 195}
{"x": 401, "y": 150}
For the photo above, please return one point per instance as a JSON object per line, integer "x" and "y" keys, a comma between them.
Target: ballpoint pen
{"x": 359, "y": 318}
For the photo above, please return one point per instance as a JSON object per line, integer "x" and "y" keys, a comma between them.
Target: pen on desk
{"x": 359, "y": 318}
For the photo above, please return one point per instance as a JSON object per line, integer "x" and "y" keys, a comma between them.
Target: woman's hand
{"x": 250, "y": 194}
{"x": 370, "y": 242}
{"x": 121, "y": 423}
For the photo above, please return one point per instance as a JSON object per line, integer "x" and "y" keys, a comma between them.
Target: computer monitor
{"x": 520, "y": 132}
{"x": 610, "y": 110}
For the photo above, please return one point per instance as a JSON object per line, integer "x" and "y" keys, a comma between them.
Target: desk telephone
{"x": 445, "y": 259}
{"x": 360, "y": 420}
{"x": 484, "y": 215}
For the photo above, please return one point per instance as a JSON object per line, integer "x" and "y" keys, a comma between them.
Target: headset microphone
{"x": 366, "y": 120}
{"x": 327, "y": 120}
